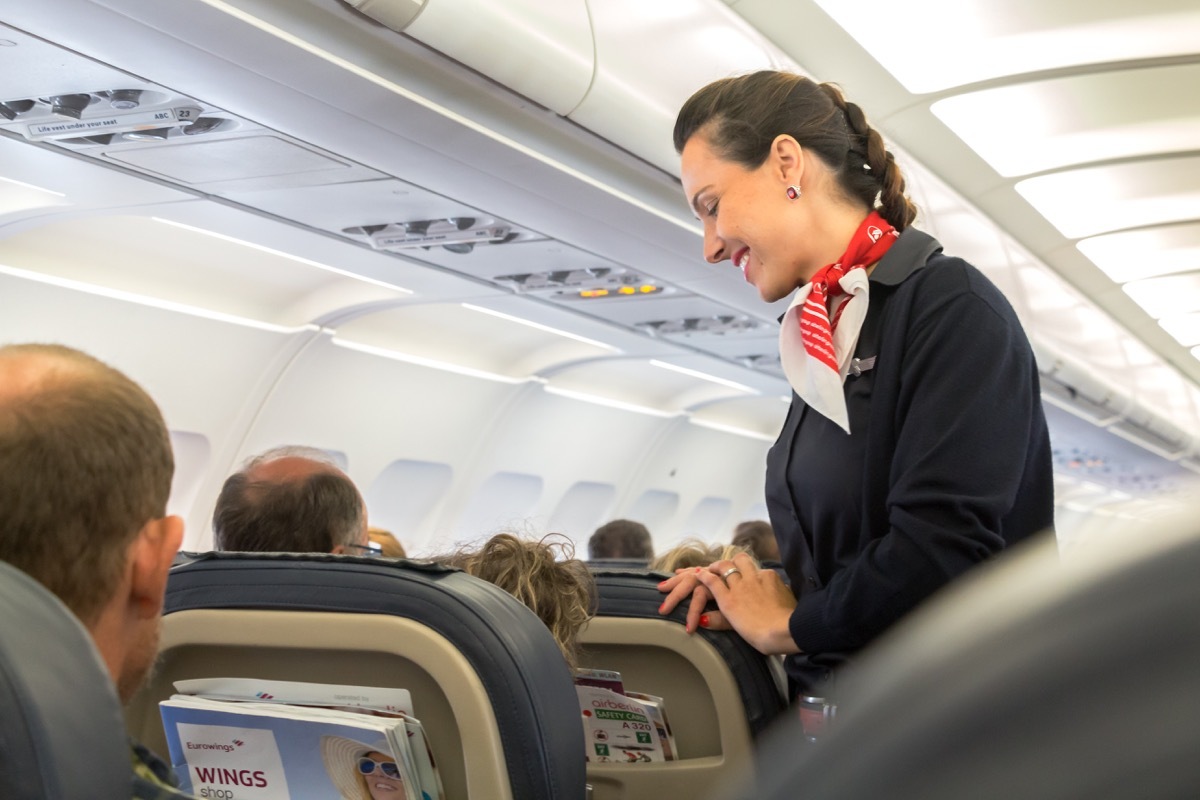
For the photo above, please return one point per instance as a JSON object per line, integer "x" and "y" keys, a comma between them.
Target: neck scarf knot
{"x": 816, "y": 346}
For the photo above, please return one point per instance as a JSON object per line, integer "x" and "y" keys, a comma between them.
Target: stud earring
{"x": 793, "y": 192}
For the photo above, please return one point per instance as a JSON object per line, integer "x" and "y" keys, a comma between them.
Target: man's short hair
{"x": 621, "y": 538}
{"x": 85, "y": 463}
{"x": 310, "y": 514}
{"x": 758, "y": 537}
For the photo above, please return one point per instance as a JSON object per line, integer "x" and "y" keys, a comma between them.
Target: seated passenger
{"x": 758, "y": 538}
{"x": 385, "y": 543}
{"x": 85, "y": 472}
{"x": 542, "y": 574}
{"x": 621, "y": 539}
{"x": 692, "y": 553}
{"x": 290, "y": 500}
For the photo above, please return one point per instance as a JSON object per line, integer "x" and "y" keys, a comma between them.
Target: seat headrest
{"x": 62, "y": 734}
{"x": 634, "y": 593}
{"x": 1040, "y": 676}
{"x": 511, "y": 650}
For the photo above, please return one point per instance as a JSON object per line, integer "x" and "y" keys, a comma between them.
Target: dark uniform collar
{"x": 906, "y": 256}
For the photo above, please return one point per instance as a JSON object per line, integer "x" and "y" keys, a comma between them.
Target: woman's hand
{"x": 752, "y": 601}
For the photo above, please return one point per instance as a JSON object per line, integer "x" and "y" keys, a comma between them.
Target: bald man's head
{"x": 290, "y": 500}
{"x": 85, "y": 463}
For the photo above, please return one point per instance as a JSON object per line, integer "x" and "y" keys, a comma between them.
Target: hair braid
{"x": 870, "y": 156}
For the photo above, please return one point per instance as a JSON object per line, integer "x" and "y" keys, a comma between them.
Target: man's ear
{"x": 153, "y": 551}
{"x": 787, "y": 159}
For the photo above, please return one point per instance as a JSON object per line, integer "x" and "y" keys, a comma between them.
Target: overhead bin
{"x": 1074, "y": 387}
{"x": 620, "y": 68}
{"x": 541, "y": 49}
{"x": 651, "y": 56}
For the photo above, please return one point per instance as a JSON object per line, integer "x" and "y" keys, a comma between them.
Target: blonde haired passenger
{"x": 387, "y": 544}
{"x": 692, "y": 553}
{"x": 541, "y": 573}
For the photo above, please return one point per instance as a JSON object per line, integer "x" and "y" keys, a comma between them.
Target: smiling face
{"x": 747, "y": 216}
{"x": 379, "y": 785}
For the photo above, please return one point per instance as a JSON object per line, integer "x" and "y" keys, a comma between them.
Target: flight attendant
{"x": 915, "y": 446}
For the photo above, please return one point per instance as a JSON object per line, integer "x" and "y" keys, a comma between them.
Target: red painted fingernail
{"x": 704, "y": 620}
{"x": 699, "y": 569}
{"x": 660, "y": 608}
{"x": 660, "y": 584}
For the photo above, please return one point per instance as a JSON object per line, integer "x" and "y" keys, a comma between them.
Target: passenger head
{"x": 692, "y": 553}
{"x": 621, "y": 538}
{"x": 774, "y": 164}
{"x": 757, "y": 537}
{"x": 387, "y": 544}
{"x": 290, "y": 500}
{"x": 544, "y": 575}
{"x": 85, "y": 474}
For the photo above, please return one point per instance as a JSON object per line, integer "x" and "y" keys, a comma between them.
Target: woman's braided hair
{"x": 741, "y": 116}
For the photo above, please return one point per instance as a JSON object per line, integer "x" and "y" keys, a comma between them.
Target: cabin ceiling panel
{"x": 459, "y": 335}
{"x": 1050, "y": 124}
{"x": 150, "y": 258}
{"x": 84, "y": 185}
{"x": 1123, "y": 256}
{"x": 1119, "y": 196}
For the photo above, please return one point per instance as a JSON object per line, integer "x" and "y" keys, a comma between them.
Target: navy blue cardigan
{"x": 947, "y": 462}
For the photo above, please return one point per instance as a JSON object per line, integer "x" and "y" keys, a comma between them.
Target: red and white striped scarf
{"x": 816, "y": 350}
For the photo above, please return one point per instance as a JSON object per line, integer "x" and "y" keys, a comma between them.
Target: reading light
{"x": 69, "y": 105}
{"x": 204, "y": 125}
{"x": 125, "y": 99}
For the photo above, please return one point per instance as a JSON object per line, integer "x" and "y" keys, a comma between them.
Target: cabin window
{"x": 586, "y": 506}
{"x": 403, "y": 495}
{"x": 505, "y": 501}
{"x": 192, "y": 454}
{"x": 654, "y": 509}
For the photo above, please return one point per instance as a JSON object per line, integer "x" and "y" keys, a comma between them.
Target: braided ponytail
{"x": 870, "y": 167}
{"x": 740, "y": 117}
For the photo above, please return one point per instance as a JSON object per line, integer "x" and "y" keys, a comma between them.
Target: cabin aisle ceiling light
{"x": 1080, "y": 119}
{"x": 996, "y": 38}
{"x": 1122, "y": 256}
{"x": 1118, "y": 197}
{"x": 1167, "y": 296}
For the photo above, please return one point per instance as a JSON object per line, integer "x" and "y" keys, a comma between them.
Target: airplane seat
{"x": 1041, "y": 677}
{"x": 719, "y": 692}
{"x": 601, "y": 564}
{"x": 61, "y": 730}
{"x": 488, "y": 681}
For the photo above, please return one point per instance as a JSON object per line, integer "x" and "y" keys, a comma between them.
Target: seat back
{"x": 487, "y": 680}
{"x": 719, "y": 692}
{"x": 1038, "y": 677}
{"x": 61, "y": 731}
